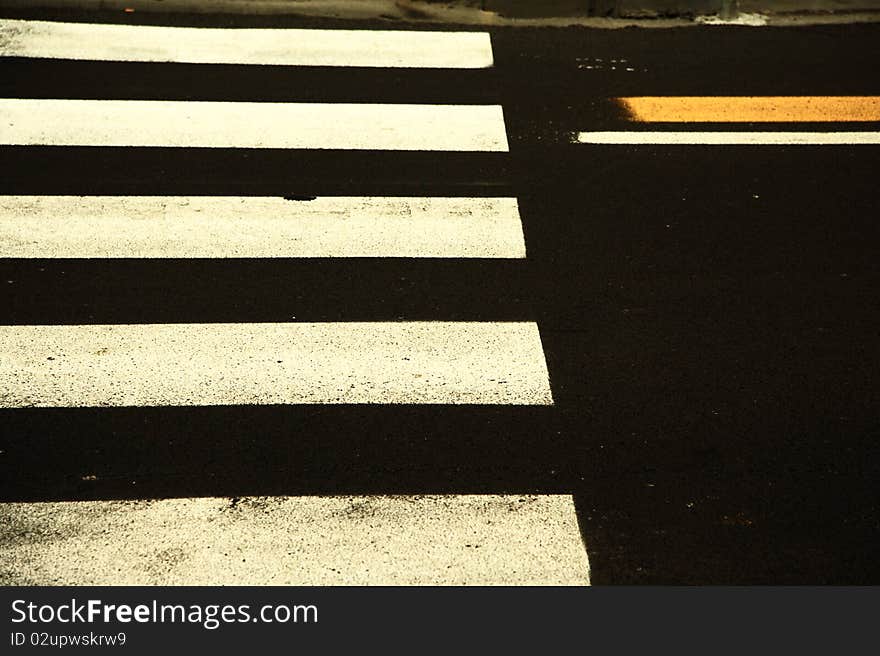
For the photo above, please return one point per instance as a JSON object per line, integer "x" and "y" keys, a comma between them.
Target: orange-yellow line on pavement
{"x": 748, "y": 109}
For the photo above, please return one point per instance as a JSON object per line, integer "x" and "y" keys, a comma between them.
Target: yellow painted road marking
{"x": 748, "y": 109}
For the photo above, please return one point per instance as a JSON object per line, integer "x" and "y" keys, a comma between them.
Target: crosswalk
{"x": 100, "y": 366}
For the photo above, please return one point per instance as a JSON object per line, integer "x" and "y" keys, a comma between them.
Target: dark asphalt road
{"x": 709, "y": 315}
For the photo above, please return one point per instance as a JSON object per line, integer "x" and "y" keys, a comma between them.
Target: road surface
{"x": 562, "y": 295}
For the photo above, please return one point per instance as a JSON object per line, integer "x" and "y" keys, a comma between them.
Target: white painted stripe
{"x": 731, "y": 138}
{"x": 399, "y": 540}
{"x": 55, "y": 122}
{"x": 201, "y": 45}
{"x": 273, "y": 363}
{"x": 220, "y": 227}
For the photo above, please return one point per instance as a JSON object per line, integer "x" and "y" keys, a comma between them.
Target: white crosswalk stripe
{"x": 292, "y": 363}
{"x": 392, "y": 540}
{"x": 59, "y": 366}
{"x": 279, "y": 47}
{"x": 350, "y": 126}
{"x": 249, "y": 226}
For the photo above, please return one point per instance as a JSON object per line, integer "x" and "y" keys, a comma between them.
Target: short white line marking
{"x": 483, "y": 363}
{"x": 351, "y": 540}
{"x": 200, "y": 45}
{"x": 731, "y": 138}
{"x": 235, "y": 227}
{"x": 56, "y": 122}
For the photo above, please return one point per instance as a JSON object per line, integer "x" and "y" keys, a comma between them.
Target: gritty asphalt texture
{"x": 709, "y": 314}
